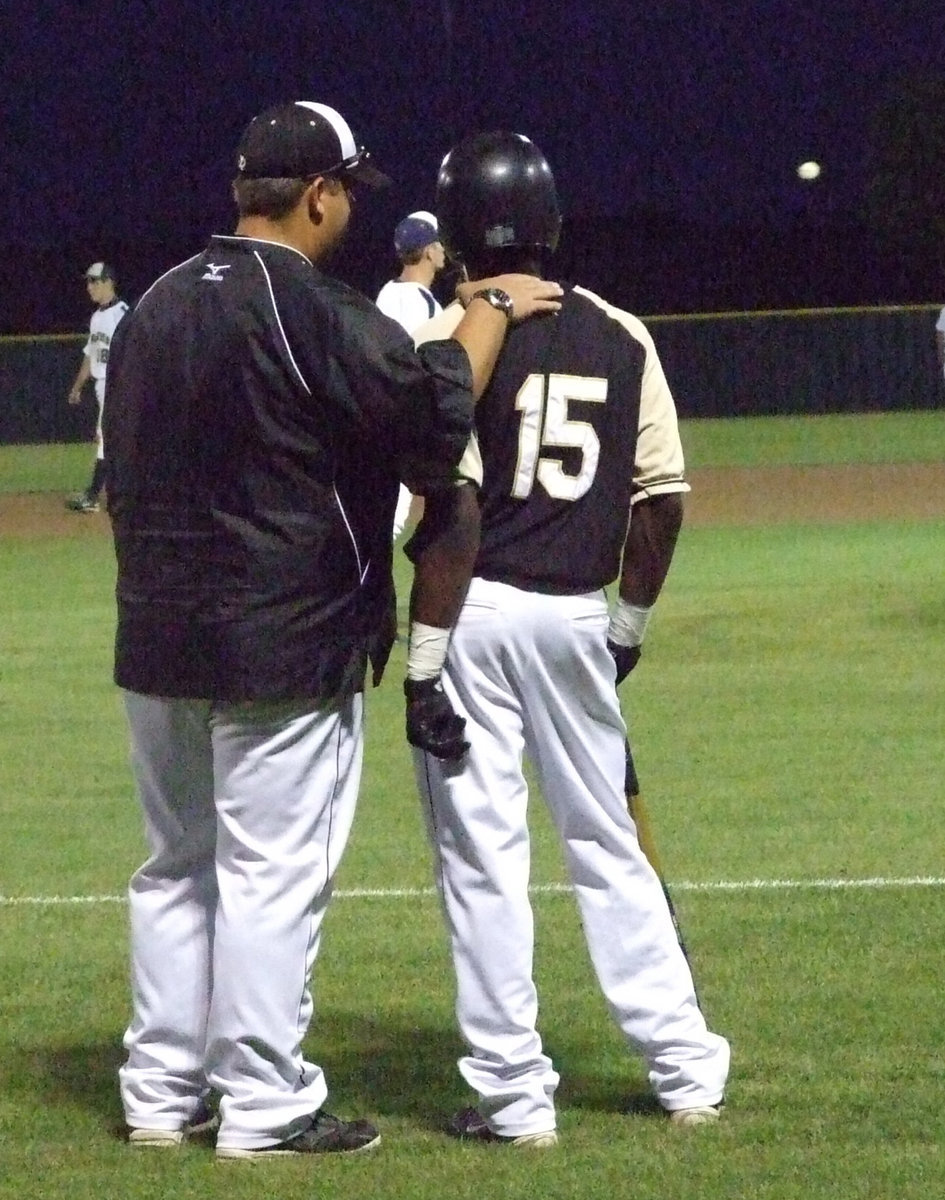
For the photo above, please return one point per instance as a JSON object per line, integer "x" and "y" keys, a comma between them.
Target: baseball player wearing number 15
{"x": 581, "y": 482}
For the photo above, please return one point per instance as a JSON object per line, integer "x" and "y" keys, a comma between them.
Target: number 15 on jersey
{"x": 545, "y": 425}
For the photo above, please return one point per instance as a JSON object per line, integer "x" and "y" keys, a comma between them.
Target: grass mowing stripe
{"x": 827, "y": 439}
{"x": 874, "y": 437}
{"x": 684, "y": 885}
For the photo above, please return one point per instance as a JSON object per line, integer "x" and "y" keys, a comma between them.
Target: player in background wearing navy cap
{"x": 408, "y": 298}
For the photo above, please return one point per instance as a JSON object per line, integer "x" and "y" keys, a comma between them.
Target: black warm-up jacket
{"x": 258, "y": 417}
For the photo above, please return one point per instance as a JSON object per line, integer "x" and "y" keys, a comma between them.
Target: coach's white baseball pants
{"x": 247, "y": 810}
{"x": 402, "y": 511}
{"x": 531, "y": 673}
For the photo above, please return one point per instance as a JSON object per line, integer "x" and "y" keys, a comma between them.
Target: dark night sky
{"x": 120, "y": 119}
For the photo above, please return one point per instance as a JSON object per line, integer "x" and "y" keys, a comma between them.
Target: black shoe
{"x": 470, "y": 1126}
{"x": 325, "y": 1135}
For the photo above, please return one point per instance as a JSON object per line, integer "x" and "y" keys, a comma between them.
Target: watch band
{"x": 497, "y": 298}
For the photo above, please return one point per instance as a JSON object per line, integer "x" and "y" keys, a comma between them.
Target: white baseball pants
{"x": 100, "y": 402}
{"x": 531, "y": 673}
{"x": 247, "y": 811}
{"x": 402, "y": 511}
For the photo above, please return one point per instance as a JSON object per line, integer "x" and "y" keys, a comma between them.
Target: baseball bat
{"x": 641, "y": 818}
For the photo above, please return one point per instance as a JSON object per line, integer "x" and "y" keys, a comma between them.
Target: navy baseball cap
{"x": 100, "y": 270}
{"x": 415, "y": 232}
{"x": 302, "y": 140}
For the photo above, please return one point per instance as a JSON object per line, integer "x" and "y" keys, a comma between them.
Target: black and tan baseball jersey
{"x": 577, "y": 424}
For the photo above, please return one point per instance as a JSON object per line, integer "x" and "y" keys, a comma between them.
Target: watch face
{"x": 498, "y": 299}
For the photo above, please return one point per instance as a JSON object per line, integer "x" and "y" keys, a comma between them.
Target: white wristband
{"x": 628, "y": 623}
{"x": 426, "y": 651}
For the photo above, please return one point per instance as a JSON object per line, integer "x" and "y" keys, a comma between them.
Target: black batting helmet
{"x": 496, "y": 190}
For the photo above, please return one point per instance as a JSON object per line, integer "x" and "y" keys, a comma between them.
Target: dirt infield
{"x": 720, "y": 496}
{"x": 39, "y": 514}
{"x": 778, "y": 495}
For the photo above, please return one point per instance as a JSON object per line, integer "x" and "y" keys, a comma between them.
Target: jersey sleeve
{"x": 660, "y": 465}
{"x": 417, "y": 406}
{"x": 437, "y": 329}
{"x": 940, "y": 323}
{"x": 443, "y": 325}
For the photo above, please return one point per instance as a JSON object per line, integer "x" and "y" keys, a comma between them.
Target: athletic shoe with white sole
{"x": 325, "y": 1135}
{"x": 702, "y": 1114}
{"x": 204, "y": 1120}
{"x": 470, "y": 1125}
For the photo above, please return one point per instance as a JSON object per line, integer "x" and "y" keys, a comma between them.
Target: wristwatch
{"x": 497, "y": 298}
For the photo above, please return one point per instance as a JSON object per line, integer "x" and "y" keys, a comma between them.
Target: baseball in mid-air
{"x": 808, "y": 170}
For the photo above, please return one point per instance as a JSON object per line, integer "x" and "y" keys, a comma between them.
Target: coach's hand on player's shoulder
{"x": 625, "y": 659}
{"x": 529, "y": 294}
{"x": 432, "y": 725}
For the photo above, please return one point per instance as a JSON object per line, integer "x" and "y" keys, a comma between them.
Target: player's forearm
{"x": 443, "y": 551}
{"x": 481, "y": 333}
{"x": 649, "y": 548}
{"x": 82, "y": 377}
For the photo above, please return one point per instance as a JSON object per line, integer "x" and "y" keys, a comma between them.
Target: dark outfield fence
{"x": 35, "y": 376}
{"x": 830, "y": 360}
{"x": 718, "y": 365}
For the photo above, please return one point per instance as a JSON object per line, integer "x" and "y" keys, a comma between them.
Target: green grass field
{"x": 784, "y": 724}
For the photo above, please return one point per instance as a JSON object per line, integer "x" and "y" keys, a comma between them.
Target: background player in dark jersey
{"x": 577, "y": 430}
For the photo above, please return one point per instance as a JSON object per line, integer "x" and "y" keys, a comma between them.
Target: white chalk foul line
{"x": 873, "y": 883}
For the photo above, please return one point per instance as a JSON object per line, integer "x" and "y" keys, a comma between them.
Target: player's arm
{"x": 647, "y": 554}
{"x": 81, "y": 379}
{"x": 443, "y": 551}
{"x": 482, "y": 330}
{"x": 648, "y": 551}
{"x": 656, "y": 513}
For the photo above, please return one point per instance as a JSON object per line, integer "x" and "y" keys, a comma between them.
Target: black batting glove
{"x": 432, "y": 725}
{"x": 625, "y": 658}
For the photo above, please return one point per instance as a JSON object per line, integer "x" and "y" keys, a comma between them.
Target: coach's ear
{"x": 314, "y": 196}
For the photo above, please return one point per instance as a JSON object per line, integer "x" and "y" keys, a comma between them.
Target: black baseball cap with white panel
{"x": 302, "y": 140}
{"x": 100, "y": 270}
